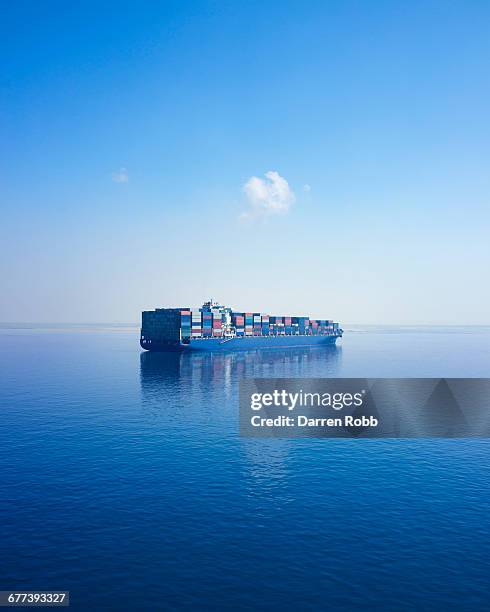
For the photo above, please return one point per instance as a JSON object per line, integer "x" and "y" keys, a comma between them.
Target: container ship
{"x": 219, "y": 328}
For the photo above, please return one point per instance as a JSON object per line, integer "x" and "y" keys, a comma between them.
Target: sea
{"x": 124, "y": 480}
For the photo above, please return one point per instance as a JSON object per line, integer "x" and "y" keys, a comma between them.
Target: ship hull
{"x": 243, "y": 343}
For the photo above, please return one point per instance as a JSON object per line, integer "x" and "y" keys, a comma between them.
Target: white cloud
{"x": 306, "y": 187}
{"x": 268, "y": 196}
{"x": 121, "y": 176}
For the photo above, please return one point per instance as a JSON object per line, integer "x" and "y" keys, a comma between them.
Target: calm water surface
{"x": 123, "y": 480}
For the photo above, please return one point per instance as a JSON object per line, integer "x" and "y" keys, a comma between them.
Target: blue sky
{"x": 131, "y": 130}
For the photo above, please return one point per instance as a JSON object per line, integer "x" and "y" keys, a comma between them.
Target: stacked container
{"x": 217, "y": 323}
{"x": 185, "y": 323}
{"x": 196, "y": 323}
{"x": 167, "y": 325}
{"x": 207, "y": 323}
{"x": 161, "y": 325}
{"x": 249, "y": 321}
{"x": 279, "y": 326}
{"x": 265, "y": 325}
{"x": 239, "y": 322}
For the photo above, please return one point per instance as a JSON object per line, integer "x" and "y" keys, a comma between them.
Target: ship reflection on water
{"x": 199, "y": 391}
{"x": 191, "y": 400}
{"x": 225, "y": 369}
